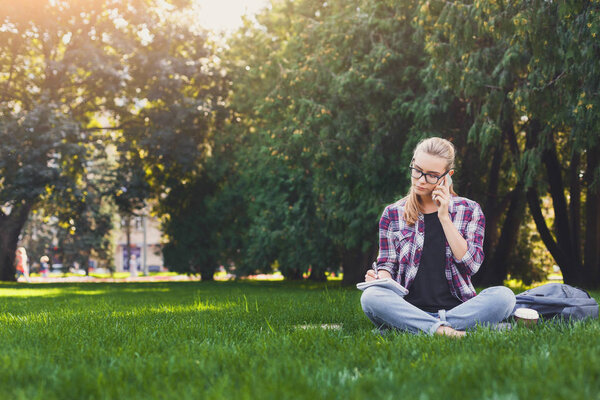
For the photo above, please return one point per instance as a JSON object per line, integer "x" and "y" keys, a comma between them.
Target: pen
{"x": 375, "y": 270}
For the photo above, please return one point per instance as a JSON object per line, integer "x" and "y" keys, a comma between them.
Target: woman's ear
{"x": 451, "y": 172}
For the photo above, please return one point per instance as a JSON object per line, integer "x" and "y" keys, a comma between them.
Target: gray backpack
{"x": 559, "y": 301}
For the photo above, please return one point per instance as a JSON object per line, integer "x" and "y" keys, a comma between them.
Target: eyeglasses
{"x": 429, "y": 178}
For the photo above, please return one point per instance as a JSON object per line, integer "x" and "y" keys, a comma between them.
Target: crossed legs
{"x": 386, "y": 309}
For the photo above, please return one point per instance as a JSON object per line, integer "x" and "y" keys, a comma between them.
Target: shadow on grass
{"x": 262, "y": 302}
{"x": 49, "y": 290}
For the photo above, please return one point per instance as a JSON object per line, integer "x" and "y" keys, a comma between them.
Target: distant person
{"x": 44, "y": 266}
{"x": 133, "y": 265}
{"x": 431, "y": 242}
{"x": 21, "y": 263}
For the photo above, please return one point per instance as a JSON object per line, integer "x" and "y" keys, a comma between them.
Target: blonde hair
{"x": 436, "y": 147}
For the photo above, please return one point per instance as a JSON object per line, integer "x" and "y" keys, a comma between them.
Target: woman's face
{"x": 431, "y": 165}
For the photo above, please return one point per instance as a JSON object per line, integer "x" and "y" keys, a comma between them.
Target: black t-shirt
{"x": 430, "y": 291}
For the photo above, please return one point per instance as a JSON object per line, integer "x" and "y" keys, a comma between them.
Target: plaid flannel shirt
{"x": 401, "y": 245}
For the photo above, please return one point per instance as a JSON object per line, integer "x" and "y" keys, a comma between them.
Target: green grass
{"x": 237, "y": 340}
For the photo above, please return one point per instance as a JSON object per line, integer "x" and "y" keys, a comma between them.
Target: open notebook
{"x": 386, "y": 283}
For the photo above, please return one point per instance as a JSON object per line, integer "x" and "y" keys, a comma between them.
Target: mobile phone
{"x": 449, "y": 180}
{"x": 446, "y": 180}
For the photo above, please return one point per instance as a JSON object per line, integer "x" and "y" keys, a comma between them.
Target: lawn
{"x": 263, "y": 340}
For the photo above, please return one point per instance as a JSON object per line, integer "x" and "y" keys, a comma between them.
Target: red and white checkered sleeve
{"x": 472, "y": 228}
{"x": 387, "y": 258}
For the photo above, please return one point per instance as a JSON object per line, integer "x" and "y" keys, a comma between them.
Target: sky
{"x": 225, "y": 15}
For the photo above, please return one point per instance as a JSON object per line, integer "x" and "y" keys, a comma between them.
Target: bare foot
{"x": 447, "y": 331}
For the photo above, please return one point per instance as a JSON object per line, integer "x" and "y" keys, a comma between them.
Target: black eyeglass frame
{"x": 427, "y": 175}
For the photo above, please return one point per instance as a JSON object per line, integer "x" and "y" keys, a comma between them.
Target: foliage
{"x": 281, "y": 144}
{"x": 328, "y": 99}
{"x": 167, "y": 115}
{"x": 522, "y": 263}
{"x": 525, "y": 72}
{"x": 52, "y": 77}
{"x": 83, "y": 232}
{"x": 192, "y": 225}
{"x": 105, "y": 72}
{"x": 89, "y": 231}
{"x": 319, "y": 100}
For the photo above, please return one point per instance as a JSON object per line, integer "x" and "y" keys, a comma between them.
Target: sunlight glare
{"x": 226, "y": 15}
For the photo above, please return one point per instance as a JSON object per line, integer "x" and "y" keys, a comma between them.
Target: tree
{"x": 75, "y": 73}
{"x": 166, "y": 119}
{"x": 322, "y": 98}
{"x": 85, "y": 215}
{"x": 192, "y": 222}
{"x": 41, "y": 110}
{"x": 130, "y": 191}
{"x": 527, "y": 73}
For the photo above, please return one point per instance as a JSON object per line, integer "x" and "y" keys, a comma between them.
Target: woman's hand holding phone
{"x": 441, "y": 195}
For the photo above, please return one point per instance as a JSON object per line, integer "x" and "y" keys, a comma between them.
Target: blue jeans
{"x": 387, "y": 309}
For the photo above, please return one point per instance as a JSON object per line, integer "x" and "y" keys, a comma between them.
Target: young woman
{"x": 431, "y": 242}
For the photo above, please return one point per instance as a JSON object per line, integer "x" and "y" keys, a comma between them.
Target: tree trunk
{"x": 207, "y": 274}
{"x": 492, "y": 213}
{"x": 557, "y": 192}
{"x": 11, "y": 226}
{"x": 494, "y": 263}
{"x": 8, "y": 247}
{"x": 355, "y": 264}
{"x": 561, "y": 248}
{"x": 292, "y": 274}
{"x": 498, "y": 265}
{"x": 317, "y": 275}
{"x": 575, "y": 205}
{"x": 569, "y": 270}
{"x": 592, "y": 224}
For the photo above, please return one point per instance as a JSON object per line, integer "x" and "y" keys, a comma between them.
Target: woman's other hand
{"x": 372, "y": 275}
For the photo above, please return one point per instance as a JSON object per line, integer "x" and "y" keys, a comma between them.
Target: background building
{"x": 145, "y": 245}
